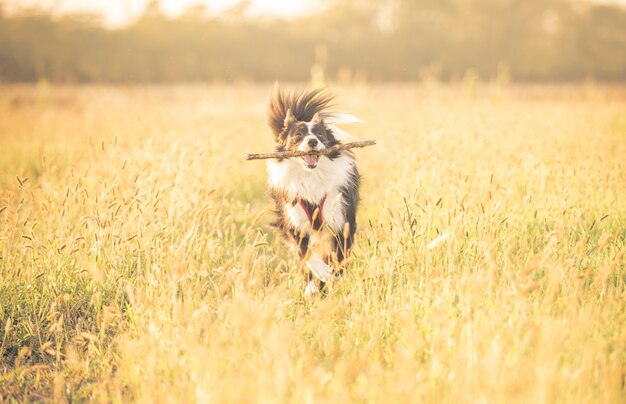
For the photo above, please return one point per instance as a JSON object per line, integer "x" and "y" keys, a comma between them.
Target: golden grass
{"x": 137, "y": 263}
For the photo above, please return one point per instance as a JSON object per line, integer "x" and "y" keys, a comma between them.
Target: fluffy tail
{"x": 303, "y": 105}
{"x": 332, "y": 119}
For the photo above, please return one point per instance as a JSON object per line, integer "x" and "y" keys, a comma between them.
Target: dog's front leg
{"x": 319, "y": 268}
{"x": 311, "y": 287}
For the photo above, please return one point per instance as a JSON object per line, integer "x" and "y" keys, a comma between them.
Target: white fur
{"x": 297, "y": 217}
{"x": 332, "y": 214}
{"x": 332, "y": 119}
{"x": 341, "y": 134}
{"x": 335, "y": 118}
{"x": 311, "y": 288}
{"x": 292, "y": 178}
{"x": 319, "y": 268}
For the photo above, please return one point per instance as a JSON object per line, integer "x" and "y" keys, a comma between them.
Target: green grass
{"x": 137, "y": 262}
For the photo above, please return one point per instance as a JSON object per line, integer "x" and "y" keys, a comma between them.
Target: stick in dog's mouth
{"x": 289, "y": 154}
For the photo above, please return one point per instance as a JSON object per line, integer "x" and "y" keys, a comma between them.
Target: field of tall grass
{"x": 137, "y": 262}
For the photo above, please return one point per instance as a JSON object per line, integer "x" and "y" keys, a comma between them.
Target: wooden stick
{"x": 287, "y": 154}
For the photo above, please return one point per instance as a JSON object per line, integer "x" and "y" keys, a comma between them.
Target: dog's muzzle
{"x": 310, "y": 143}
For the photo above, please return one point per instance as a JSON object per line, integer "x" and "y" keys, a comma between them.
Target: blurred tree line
{"x": 530, "y": 40}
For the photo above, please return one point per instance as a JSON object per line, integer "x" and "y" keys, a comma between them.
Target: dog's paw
{"x": 310, "y": 289}
{"x": 320, "y": 269}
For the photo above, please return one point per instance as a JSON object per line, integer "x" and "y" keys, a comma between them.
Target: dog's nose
{"x": 312, "y": 142}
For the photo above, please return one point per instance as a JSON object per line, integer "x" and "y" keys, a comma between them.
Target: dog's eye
{"x": 298, "y": 136}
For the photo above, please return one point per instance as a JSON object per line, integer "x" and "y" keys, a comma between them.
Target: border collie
{"x": 315, "y": 196}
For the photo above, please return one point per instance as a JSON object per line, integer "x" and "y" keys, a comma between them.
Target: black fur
{"x": 342, "y": 243}
{"x": 302, "y": 104}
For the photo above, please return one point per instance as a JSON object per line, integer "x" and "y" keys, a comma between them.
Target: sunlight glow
{"x": 120, "y": 12}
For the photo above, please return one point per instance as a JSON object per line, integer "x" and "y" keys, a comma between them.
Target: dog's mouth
{"x": 310, "y": 160}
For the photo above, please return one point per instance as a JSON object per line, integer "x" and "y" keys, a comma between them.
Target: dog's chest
{"x": 326, "y": 181}
{"x": 332, "y": 213}
{"x": 289, "y": 177}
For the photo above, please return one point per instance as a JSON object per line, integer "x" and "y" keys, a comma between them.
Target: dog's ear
{"x": 316, "y": 119}
{"x": 289, "y": 119}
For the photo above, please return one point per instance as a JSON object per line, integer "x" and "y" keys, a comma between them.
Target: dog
{"x": 315, "y": 196}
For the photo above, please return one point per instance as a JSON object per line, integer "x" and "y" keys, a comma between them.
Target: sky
{"x": 118, "y": 12}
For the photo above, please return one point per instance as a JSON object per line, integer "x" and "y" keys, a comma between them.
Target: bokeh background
{"x": 347, "y": 41}
{"x": 137, "y": 259}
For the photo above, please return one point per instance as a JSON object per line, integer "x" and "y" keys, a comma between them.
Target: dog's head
{"x": 305, "y": 136}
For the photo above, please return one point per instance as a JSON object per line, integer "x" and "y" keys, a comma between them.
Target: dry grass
{"x": 137, "y": 263}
